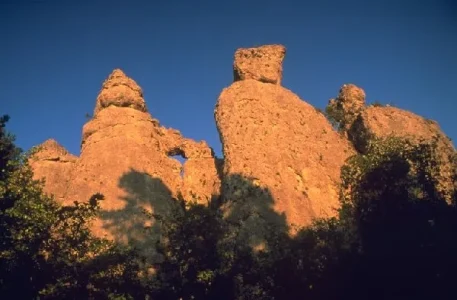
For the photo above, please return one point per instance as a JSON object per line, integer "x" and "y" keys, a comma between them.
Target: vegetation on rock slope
{"x": 394, "y": 238}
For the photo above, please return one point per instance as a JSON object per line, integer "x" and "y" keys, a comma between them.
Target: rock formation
{"x": 263, "y": 64}
{"x": 347, "y": 105}
{"x": 364, "y": 123}
{"x": 127, "y": 156}
{"x": 283, "y": 143}
{"x": 282, "y": 157}
{"x": 121, "y": 91}
{"x": 54, "y": 163}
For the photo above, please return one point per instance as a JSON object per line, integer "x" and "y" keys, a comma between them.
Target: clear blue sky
{"x": 54, "y": 56}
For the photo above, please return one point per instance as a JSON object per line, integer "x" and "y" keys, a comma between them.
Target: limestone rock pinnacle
{"x": 122, "y": 91}
{"x": 268, "y": 133}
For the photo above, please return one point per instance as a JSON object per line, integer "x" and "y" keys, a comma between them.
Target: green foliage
{"x": 319, "y": 110}
{"x": 46, "y": 249}
{"x": 377, "y": 104}
{"x": 402, "y": 226}
{"x": 394, "y": 237}
{"x": 9, "y": 153}
{"x": 191, "y": 234}
{"x": 335, "y": 115}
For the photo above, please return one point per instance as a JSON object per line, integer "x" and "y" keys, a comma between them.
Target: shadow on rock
{"x": 133, "y": 224}
{"x": 185, "y": 241}
{"x": 394, "y": 236}
{"x": 248, "y": 208}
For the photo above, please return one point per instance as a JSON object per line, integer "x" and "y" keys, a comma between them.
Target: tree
{"x": 394, "y": 238}
{"x": 47, "y": 250}
{"x": 191, "y": 234}
{"x": 404, "y": 230}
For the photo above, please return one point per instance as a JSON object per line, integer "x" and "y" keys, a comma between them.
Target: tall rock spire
{"x": 276, "y": 141}
{"x": 128, "y": 157}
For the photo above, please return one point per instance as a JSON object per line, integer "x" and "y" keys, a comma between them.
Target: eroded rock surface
{"x": 55, "y": 164}
{"x": 127, "y": 156}
{"x": 282, "y": 158}
{"x": 122, "y": 91}
{"x": 262, "y": 63}
{"x": 283, "y": 145}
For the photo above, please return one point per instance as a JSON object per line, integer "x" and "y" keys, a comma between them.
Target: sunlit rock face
{"x": 130, "y": 158}
{"x": 283, "y": 144}
{"x": 262, "y": 63}
{"x": 53, "y": 162}
{"x": 282, "y": 157}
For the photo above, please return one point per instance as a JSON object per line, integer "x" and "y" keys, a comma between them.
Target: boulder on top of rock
{"x": 262, "y": 63}
{"x": 122, "y": 91}
{"x": 279, "y": 151}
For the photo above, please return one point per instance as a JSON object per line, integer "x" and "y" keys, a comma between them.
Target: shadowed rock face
{"x": 348, "y": 104}
{"x": 284, "y": 144}
{"x": 122, "y": 137}
{"x": 382, "y": 122}
{"x": 362, "y": 124}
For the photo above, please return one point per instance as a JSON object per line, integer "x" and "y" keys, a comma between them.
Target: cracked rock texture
{"x": 282, "y": 143}
{"x": 127, "y": 156}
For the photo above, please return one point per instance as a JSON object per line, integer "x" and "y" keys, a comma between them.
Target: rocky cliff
{"x": 272, "y": 140}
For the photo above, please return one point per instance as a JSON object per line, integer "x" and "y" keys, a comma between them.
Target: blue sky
{"x": 56, "y": 54}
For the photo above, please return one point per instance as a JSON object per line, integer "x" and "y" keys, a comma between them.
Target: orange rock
{"x": 282, "y": 158}
{"x": 121, "y": 91}
{"x": 283, "y": 144}
{"x": 381, "y": 122}
{"x": 262, "y": 63}
{"x": 127, "y": 156}
{"x": 56, "y": 165}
